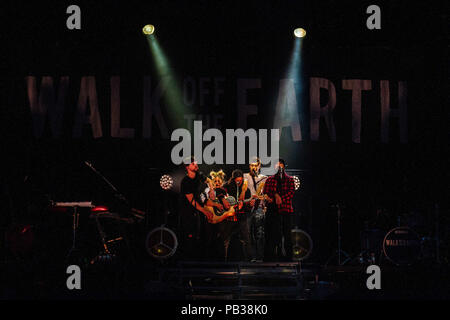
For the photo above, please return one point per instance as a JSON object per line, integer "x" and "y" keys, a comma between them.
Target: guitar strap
{"x": 254, "y": 182}
{"x": 254, "y": 186}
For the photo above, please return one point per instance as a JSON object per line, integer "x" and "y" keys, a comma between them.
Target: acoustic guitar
{"x": 220, "y": 215}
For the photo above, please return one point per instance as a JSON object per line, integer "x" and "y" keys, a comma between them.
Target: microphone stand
{"x": 436, "y": 211}
{"x": 117, "y": 194}
{"x": 339, "y": 251}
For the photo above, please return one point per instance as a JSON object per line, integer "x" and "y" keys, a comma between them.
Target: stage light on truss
{"x": 148, "y": 29}
{"x": 297, "y": 182}
{"x": 166, "y": 182}
{"x": 300, "y": 32}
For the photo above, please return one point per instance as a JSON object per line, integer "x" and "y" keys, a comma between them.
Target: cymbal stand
{"x": 436, "y": 238}
{"x": 366, "y": 255}
{"x": 75, "y": 223}
{"x": 339, "y": 252}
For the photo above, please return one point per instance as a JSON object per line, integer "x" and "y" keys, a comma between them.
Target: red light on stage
{"x": 99, "y": 209}
{"x": 26, "y": 229}
{"x": 20, "y": 239}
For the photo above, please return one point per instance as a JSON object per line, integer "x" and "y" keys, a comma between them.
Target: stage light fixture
{"x": 166, "y": 182}
{"x": 302, "y": 244}
{"x": 148, "y": 29}
{"x": 296, "y": 182}
{"x": 299, "y": 32}
{"x": 161, "y": 243}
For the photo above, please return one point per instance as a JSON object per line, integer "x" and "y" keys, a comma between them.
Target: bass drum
{"x": 402, "y": 246}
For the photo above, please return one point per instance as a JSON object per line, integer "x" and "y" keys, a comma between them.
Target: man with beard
{"x": 237, "y": 188}
{"x": 280, "y": 189}
{"x": 256, "y": 217}
{"x": 192, "y": 215}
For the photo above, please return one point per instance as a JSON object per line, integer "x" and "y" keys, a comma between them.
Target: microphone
{"x": 280, "y": 172}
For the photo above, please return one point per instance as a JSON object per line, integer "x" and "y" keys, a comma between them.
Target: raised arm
{"x": 244, "y": 190}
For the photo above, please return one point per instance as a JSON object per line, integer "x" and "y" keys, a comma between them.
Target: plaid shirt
{"x": 286, "y": 194}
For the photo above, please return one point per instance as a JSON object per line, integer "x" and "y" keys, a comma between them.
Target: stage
{"x": 197, "y": 281}
{"x": 206, "y": 150}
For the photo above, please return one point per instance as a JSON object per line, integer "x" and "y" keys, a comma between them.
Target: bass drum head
{"x": 161, "y": 243}
{"x": 402, "y": 246}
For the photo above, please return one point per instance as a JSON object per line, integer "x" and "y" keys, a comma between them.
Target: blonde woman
{"x": 216, "y": 191}
{"x": 215, "y": 200}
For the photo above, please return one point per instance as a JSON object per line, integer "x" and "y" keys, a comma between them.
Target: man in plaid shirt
{"x": 280, "y": 190}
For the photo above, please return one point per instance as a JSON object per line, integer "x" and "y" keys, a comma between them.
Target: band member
{"x": 193, "y": 216}
{"x": 280, "y": 190}
{"x": 256, "y": 217}
{"x": 237, "y": 188}
{"x": 214, "y": 196}
{"x": 215, "y": 192}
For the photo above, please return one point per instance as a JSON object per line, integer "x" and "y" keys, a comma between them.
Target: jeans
{"x": 257, "y": 235}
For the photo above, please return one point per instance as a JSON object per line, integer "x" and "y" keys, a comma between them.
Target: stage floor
{"x": 192, "y": 280}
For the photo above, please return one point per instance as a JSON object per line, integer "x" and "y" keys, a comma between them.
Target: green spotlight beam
{"x": 172, "y": 97}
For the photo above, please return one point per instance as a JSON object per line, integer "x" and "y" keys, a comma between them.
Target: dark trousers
{"x": 190, "y": 237}
{"x": 211, "y": 242}
{"x": 229, "y": 228}
{"x": 257, "y": 236}
{"x": 198, "y": 239}
{"x": 277, "y": 227}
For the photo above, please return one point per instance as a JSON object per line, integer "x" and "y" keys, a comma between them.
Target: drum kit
{"x": 401, "y": 245}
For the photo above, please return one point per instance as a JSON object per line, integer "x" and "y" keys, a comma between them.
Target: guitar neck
{"x": 255, "y": 198}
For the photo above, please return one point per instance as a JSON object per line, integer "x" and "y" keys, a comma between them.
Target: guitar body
{"x": 219, "y": 216}
{"x": 260, "y": 196}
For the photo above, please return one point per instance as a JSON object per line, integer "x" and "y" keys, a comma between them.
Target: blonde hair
{"x": 218, "y": 174}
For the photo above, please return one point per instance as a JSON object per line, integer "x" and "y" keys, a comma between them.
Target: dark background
{"x": 237, "y": 39}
